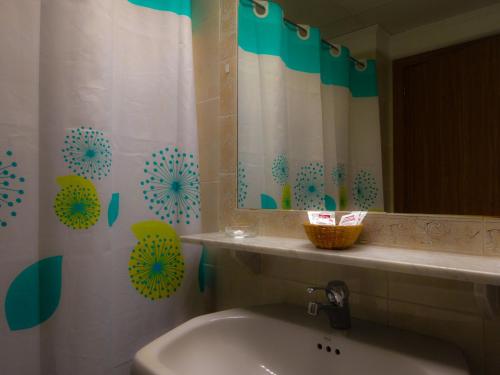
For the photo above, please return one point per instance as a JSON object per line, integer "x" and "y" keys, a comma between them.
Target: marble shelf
{"x": 480, "y": 270}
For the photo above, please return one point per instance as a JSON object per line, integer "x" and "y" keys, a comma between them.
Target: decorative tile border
{"x": 491, "y": 237}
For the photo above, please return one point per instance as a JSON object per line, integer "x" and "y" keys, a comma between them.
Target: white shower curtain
{"x": 308, "y": 119}
{"x": 99, "y": 177}
{"x": 351, "y": 132}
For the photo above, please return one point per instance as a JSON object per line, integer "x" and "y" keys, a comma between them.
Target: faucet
{"x": 337, "y": 307}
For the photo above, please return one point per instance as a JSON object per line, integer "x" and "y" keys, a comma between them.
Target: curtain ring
{"x": 261, "y": 5}
{"x": 306, "y": 29}
{"x": 361, "y": 65}
{"x": 336, "y": 52}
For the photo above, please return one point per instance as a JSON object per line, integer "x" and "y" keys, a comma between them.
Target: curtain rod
{"x": 356, "y": 61}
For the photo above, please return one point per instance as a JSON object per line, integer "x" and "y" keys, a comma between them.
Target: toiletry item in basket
{"x": 321, "y": 217}
{"x": 354, "y": 218}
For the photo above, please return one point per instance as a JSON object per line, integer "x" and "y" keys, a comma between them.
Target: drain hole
{"x": 328, "y": 349}
{"x": 337, "y": 351}
{"x": 320, "y": 347}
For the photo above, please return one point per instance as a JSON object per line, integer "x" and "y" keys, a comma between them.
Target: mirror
{"x": 363, "y": 105}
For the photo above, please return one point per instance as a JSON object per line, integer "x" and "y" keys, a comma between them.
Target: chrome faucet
{"x": 337, "y": 309}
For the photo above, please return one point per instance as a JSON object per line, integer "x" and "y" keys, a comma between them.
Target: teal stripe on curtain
{"x": 364, "y": 82}
{"x": 181, "y": 7}
{"x": 335, "y": 69}
{"x": 269, "y": 35}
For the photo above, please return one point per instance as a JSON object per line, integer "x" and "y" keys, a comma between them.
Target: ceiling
{"x": 338, "y": 17}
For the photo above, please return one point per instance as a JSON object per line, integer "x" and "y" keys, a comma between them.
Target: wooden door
{"x": 447, "y": 130}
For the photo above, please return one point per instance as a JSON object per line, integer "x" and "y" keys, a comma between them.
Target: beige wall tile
{"x": 492, "y": 237}
{"x": 236, "y": 284}
{"x": 464, "y": 235}
{"x": 439, "y": 233}
{"x": 228, "y": 17}
{"x": 225, "y": 290}
{"x": 234, "y": 217}
{"x": 228, "y": 46}
{"x": 219, "y": 258}
{"x": 227, "y": 71}
{"x": 206, "y": 23}
{"x": 390, "y": 230}
{"x": 273, "y": 290}
{"x": 207, "y": 86}
{"x": 463, "y": 330}
{"x": 227, "y": 199}
{"x": 208, "y": 138}
{"x": 283, "y": 223}
{"x": 292, "y": 270}
{"x": 210, "y": 206}
{"x": 296, "y": 294}
{"x": 228, "y": 148}
{"x": 446, "y": 294}
{"x": 370, "y": 282}
{"x": 369, "y": 308}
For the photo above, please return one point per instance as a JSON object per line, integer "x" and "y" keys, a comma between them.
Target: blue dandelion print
{"x": 339, "y": 175}
{"x": 11, "y": 191}
{"x": 172, "y": 186}
{"x": 242, "y": 185}
{"x": 280, "y": 170}
{"x": 364, "y": 190}
{"x": 309, "y": 187}
{"x": 87, "y": 153}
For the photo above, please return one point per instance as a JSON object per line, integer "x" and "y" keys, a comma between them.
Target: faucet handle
{"x": 337, "y": 292}
{"x": 313, "y": 308}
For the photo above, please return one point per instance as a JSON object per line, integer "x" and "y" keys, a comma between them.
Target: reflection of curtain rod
{"x": 356, "y": 61}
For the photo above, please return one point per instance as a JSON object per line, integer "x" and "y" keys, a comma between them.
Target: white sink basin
{"x": 283, "y": 340}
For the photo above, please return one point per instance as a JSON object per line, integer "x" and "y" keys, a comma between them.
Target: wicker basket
{"x": 333, "y": 237}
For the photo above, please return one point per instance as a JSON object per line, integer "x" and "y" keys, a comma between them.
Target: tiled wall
{"x": 206, "y": 25}
{"x": 439, "y": 308}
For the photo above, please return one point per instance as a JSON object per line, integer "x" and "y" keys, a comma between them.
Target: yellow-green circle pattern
{"x": 78, "y": 206}
{"x": 156, "y": 266}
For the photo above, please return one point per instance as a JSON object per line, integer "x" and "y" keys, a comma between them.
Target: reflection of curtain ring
{"x": 257, "y": 9}
{"x": 336, "y": 52}
{"x": 300, "y": 29}
{"x": 361, "y": 68}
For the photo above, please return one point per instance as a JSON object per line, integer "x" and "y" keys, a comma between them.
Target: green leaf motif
{"x": 267, "y": 202}
{"x": 113, "y": 209}
{"x": 34, "y": 294}
{"x": 330, "y": 203}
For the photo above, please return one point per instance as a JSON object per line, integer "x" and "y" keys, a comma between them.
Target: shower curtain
{"x": 308, "y": 119}
{"x": 98, "y": 178}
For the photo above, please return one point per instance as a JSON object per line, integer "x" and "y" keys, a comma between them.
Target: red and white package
{"x": 354, "y": 218}
{"x": 321, "y": 217}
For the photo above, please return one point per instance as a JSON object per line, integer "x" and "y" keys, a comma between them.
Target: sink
{"x": 284, "y": 340}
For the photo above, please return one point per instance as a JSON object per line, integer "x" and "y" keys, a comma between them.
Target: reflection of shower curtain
{"x": 309, "y": 132}
{"x": 98, "y": 174}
